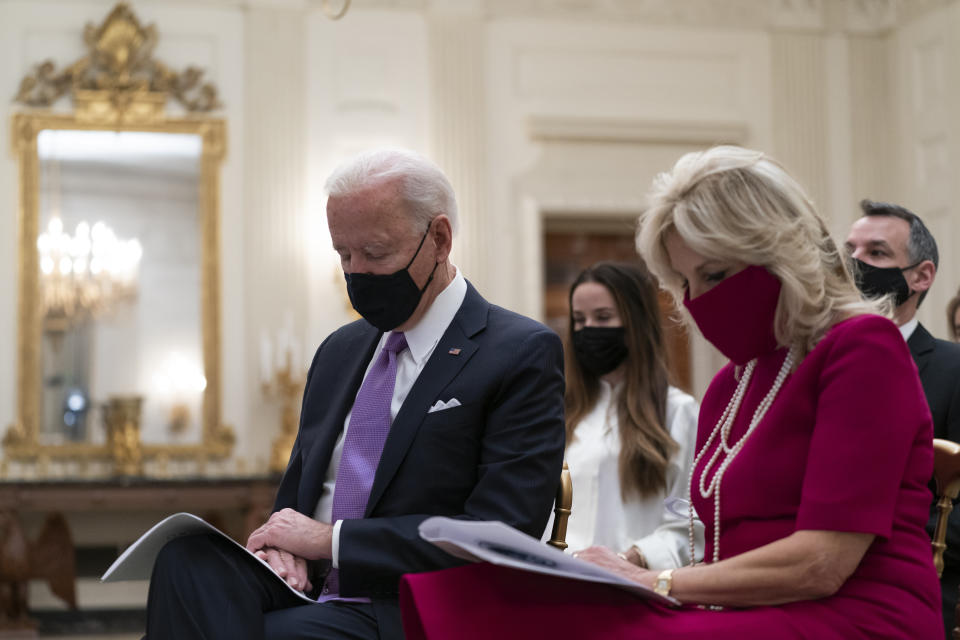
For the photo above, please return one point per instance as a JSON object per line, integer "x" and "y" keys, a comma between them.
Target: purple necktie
{"x": 363, "y": 444}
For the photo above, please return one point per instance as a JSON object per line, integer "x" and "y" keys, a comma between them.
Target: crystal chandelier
{"x": 86, "y": 274}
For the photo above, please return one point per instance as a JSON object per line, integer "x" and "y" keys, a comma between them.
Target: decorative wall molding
{"x": 871, "y": 16}
{"x": 118, "y": 79}
{"x": 911, "y": 9}
{"x": 808, "y": 15}
{"x": 573, "y": 129}
{"x": 797, "y": 14}
{"x": 854, "y": 16}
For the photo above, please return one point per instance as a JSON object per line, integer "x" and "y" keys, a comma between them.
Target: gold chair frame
{"x": 562, "y": 509}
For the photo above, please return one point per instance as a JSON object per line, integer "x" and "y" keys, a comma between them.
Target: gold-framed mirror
{"x": 118, "y": 339}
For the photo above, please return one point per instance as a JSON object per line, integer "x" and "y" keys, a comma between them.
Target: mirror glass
{"x": 120, "y": 282}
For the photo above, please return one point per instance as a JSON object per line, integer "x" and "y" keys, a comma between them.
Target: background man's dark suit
{"x": 497, "y": 456}
{"x": 938, "y": 362}
{"x": 895, "y": 254}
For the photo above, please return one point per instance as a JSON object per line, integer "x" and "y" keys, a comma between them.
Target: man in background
{"x": 435, "y": 403}
{"x": 895, "y": 254}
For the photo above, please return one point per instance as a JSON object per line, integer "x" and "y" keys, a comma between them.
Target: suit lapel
{"x": 921, "y": 345}
{"x": 341, "y": 384}
{"x": 439, "y": 370}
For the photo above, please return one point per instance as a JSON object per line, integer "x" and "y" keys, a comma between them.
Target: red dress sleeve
{"x": 871, "y": 413}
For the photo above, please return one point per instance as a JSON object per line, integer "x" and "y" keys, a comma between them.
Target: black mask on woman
{"x": 387, "y": 300}
{"x": 875, "y": 282}
{"x": 600, "y": 350}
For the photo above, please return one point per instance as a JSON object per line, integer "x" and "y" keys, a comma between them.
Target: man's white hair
{"x": 423, "y": 186}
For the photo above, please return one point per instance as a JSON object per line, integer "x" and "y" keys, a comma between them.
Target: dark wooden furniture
{"x": 235, "y": 505}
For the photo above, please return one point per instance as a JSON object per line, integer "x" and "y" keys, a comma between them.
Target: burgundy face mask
{"x": 737, "y": 315}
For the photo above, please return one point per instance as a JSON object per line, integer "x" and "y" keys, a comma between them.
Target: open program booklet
{"x": 136, "y": 562}
{"x": 500, "y": 544}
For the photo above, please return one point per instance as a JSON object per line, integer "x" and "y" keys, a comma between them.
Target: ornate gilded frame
{"x": 117, "y": 87}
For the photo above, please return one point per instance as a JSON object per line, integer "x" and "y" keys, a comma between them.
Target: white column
{"x": 841, "y": 207}
{"x": 800, "y": 110}
{"x": 274, "y": 199}
{"x": 873, "y": 123}
{"x": 458, "y": 132}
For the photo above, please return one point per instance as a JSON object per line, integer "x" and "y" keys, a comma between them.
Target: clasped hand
{"x": 287, "y": 541}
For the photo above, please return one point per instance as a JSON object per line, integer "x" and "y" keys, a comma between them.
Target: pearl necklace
{"x": 729, "y": 452}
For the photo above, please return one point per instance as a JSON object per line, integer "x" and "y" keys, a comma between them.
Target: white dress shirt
{"x": 599, "y": 516}
{"x": 421, "y": 341}
{"x": 907, "y": 328}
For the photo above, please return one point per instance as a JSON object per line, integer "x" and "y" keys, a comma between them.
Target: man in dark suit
{"x": 895, "y": 254}
{"x": 436, "y": 403}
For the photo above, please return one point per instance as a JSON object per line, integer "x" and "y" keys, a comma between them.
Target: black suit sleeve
{"x": 952, "y": 555}
{"x": 953, "y": 411}
{"x": 517, "y": 470}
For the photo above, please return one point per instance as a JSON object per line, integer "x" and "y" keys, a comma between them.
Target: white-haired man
{"x": 435, "y": 403}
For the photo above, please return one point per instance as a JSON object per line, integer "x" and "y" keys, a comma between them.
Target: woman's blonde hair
{"x": 730, "y": 203}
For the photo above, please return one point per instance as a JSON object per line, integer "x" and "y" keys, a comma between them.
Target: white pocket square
{"x": 440, "y": 405}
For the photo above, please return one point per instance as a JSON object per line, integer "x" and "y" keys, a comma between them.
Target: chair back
{"x": 946, "y": 476}
{"x": 561, "y": 510}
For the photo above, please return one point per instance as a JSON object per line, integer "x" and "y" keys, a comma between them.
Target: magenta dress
{"x": 846, "y": 446}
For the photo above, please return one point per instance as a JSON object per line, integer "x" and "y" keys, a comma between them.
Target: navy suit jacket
{"x": 497, "y": 456}
{"x": 938, "y": 363}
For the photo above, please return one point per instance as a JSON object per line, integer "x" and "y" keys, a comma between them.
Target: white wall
{"x": 533, "y": 107}
{"x": 928, "y": 75}
{"x": 585, "y": 115}
{"x": 367, "y": 85}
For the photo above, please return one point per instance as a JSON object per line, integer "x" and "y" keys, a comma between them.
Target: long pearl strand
{"x": 729, "y": 452}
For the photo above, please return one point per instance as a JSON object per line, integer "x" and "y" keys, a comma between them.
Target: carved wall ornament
{"x": 118, "y": 79}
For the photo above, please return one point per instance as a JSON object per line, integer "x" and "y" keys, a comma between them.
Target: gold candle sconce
{"x": 282, "y": 376}
{"x": 286, "y": 386}
{"x": 121, "y": 416}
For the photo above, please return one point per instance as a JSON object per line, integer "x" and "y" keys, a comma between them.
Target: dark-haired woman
{"x": 630, "y": 434}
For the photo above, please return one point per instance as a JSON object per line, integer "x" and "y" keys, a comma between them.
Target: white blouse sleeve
{"x": 669, "y": 545}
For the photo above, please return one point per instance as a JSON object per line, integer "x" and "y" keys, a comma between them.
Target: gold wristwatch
{"x": 664, "y": 582}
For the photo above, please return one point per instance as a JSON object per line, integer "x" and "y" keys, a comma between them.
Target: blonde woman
{"x": 813, "y": 447}
{"x": 630, "y": 435}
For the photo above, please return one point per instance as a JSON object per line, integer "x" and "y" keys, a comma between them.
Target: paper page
{"x": 136, "y": 562}
{"x": 499, "y": 544}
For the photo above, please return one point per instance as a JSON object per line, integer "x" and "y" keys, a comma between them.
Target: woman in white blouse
{"x": 630, "y": 435}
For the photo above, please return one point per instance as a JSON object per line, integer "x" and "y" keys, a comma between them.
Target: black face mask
{"x": 387, "y": 300}
{"x": 600, "y": 350}
{"x": 875, "y": 282}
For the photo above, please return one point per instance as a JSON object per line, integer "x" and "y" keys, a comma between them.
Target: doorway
{"x": 572, "y": 243}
